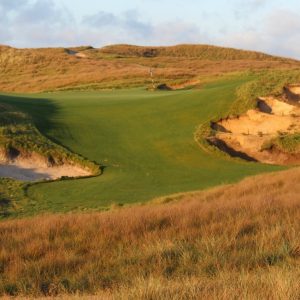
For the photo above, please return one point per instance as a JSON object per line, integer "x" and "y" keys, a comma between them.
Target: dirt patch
{"x": 246, "y": 135}
{"x": 34, "y": 167}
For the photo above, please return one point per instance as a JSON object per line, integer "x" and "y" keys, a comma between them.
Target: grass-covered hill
{"x": 232, "y": 242}
{"x": 119, "y": 66}
{"x": 188, "y": 51}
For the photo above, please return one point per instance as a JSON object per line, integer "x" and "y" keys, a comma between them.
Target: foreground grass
{"x": 145, "y": 140}
{"x": 232, "y": 242}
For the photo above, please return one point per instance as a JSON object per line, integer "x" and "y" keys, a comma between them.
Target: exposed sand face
{"x": 34, "y": 169}
{"x": 275, "y": 107}
{"x": 295, "y": 89}
{"x": 292, "y": 93}
{"x": 248, "y": 133}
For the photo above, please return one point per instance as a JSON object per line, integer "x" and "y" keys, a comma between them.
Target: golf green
{"x": 144, "y": 139}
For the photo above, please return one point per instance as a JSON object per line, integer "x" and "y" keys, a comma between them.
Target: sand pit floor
{"x": 21, "y": 171}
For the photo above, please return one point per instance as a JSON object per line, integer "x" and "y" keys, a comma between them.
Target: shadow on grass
{"x": 42, "y": 112}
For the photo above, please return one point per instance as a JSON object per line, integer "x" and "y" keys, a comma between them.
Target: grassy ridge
{"x": 205, "y": 52}
{"x": 231, "y": 242}
{"x": 32, "y": 70}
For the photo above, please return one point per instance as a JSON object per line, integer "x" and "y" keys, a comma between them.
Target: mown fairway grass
{"x": 145, "y": 140}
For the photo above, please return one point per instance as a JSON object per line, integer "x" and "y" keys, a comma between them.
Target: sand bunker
{"x": 245, "y": 136}
{"x": 292, "y": 93}
{"x": 35, "y": 169}
{"x": 295, "y": 90}
{"x": 76, "y": 53}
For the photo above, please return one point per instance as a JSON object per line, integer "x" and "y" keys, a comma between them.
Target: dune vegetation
{"x": 236, "y": 241}
{"x": 122, "y": 66}
{"x": 187, "y": 51}
{"x": 289, "y": 143}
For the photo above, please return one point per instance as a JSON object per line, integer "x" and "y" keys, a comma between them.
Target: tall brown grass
{"x": 34, "y": 70}
{"x": 187, "y": 50}
{"x": 234, "y": 242}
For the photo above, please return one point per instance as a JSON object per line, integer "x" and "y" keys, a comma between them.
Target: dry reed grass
{"x": 232, "y": 242}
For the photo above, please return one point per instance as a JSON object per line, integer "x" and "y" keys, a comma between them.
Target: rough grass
{"x": 287, "y": 143}
{"x": 32, "y": 70}
{"x": 232, "y": 242}
{"x": 199, "y": 51}
{"x": 12, "y": 197}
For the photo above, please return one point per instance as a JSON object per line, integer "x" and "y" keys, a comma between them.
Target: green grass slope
{"x": 145, "y": 140}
